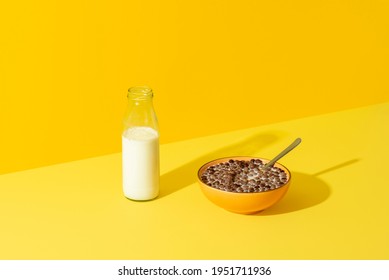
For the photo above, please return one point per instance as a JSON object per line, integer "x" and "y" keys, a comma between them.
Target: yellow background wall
{"x": 214, "y": 66}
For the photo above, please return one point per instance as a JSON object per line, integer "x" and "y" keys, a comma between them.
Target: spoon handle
{"x": 283, "y": 153}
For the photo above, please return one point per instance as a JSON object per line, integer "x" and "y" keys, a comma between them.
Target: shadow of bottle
{"x": 185, "y": 175}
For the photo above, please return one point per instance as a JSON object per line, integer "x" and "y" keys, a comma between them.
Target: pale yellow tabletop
{"x": 337, "y": 206}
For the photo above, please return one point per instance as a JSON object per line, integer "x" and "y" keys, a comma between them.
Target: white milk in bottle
{"x": 140, "y": 151}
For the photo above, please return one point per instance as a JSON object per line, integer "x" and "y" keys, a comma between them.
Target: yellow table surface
{"x": 337, "y": 206}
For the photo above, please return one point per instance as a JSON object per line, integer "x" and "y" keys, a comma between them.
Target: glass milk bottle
{"x": 140, "y": 146}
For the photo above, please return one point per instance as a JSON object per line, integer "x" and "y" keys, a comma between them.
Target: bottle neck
{"x": 140, "y": 96}
{"x": 140, "y": 110}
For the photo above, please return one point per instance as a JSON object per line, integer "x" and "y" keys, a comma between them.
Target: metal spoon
{"x": 283, "y": 153}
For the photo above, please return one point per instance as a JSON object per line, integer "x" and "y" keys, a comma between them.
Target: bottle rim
{"x": 140, "y": 92}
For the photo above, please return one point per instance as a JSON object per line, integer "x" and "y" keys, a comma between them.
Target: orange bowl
{"x": 243, "y": 203}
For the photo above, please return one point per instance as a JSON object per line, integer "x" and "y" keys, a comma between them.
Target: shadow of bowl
{"x": 304, "y": 192}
